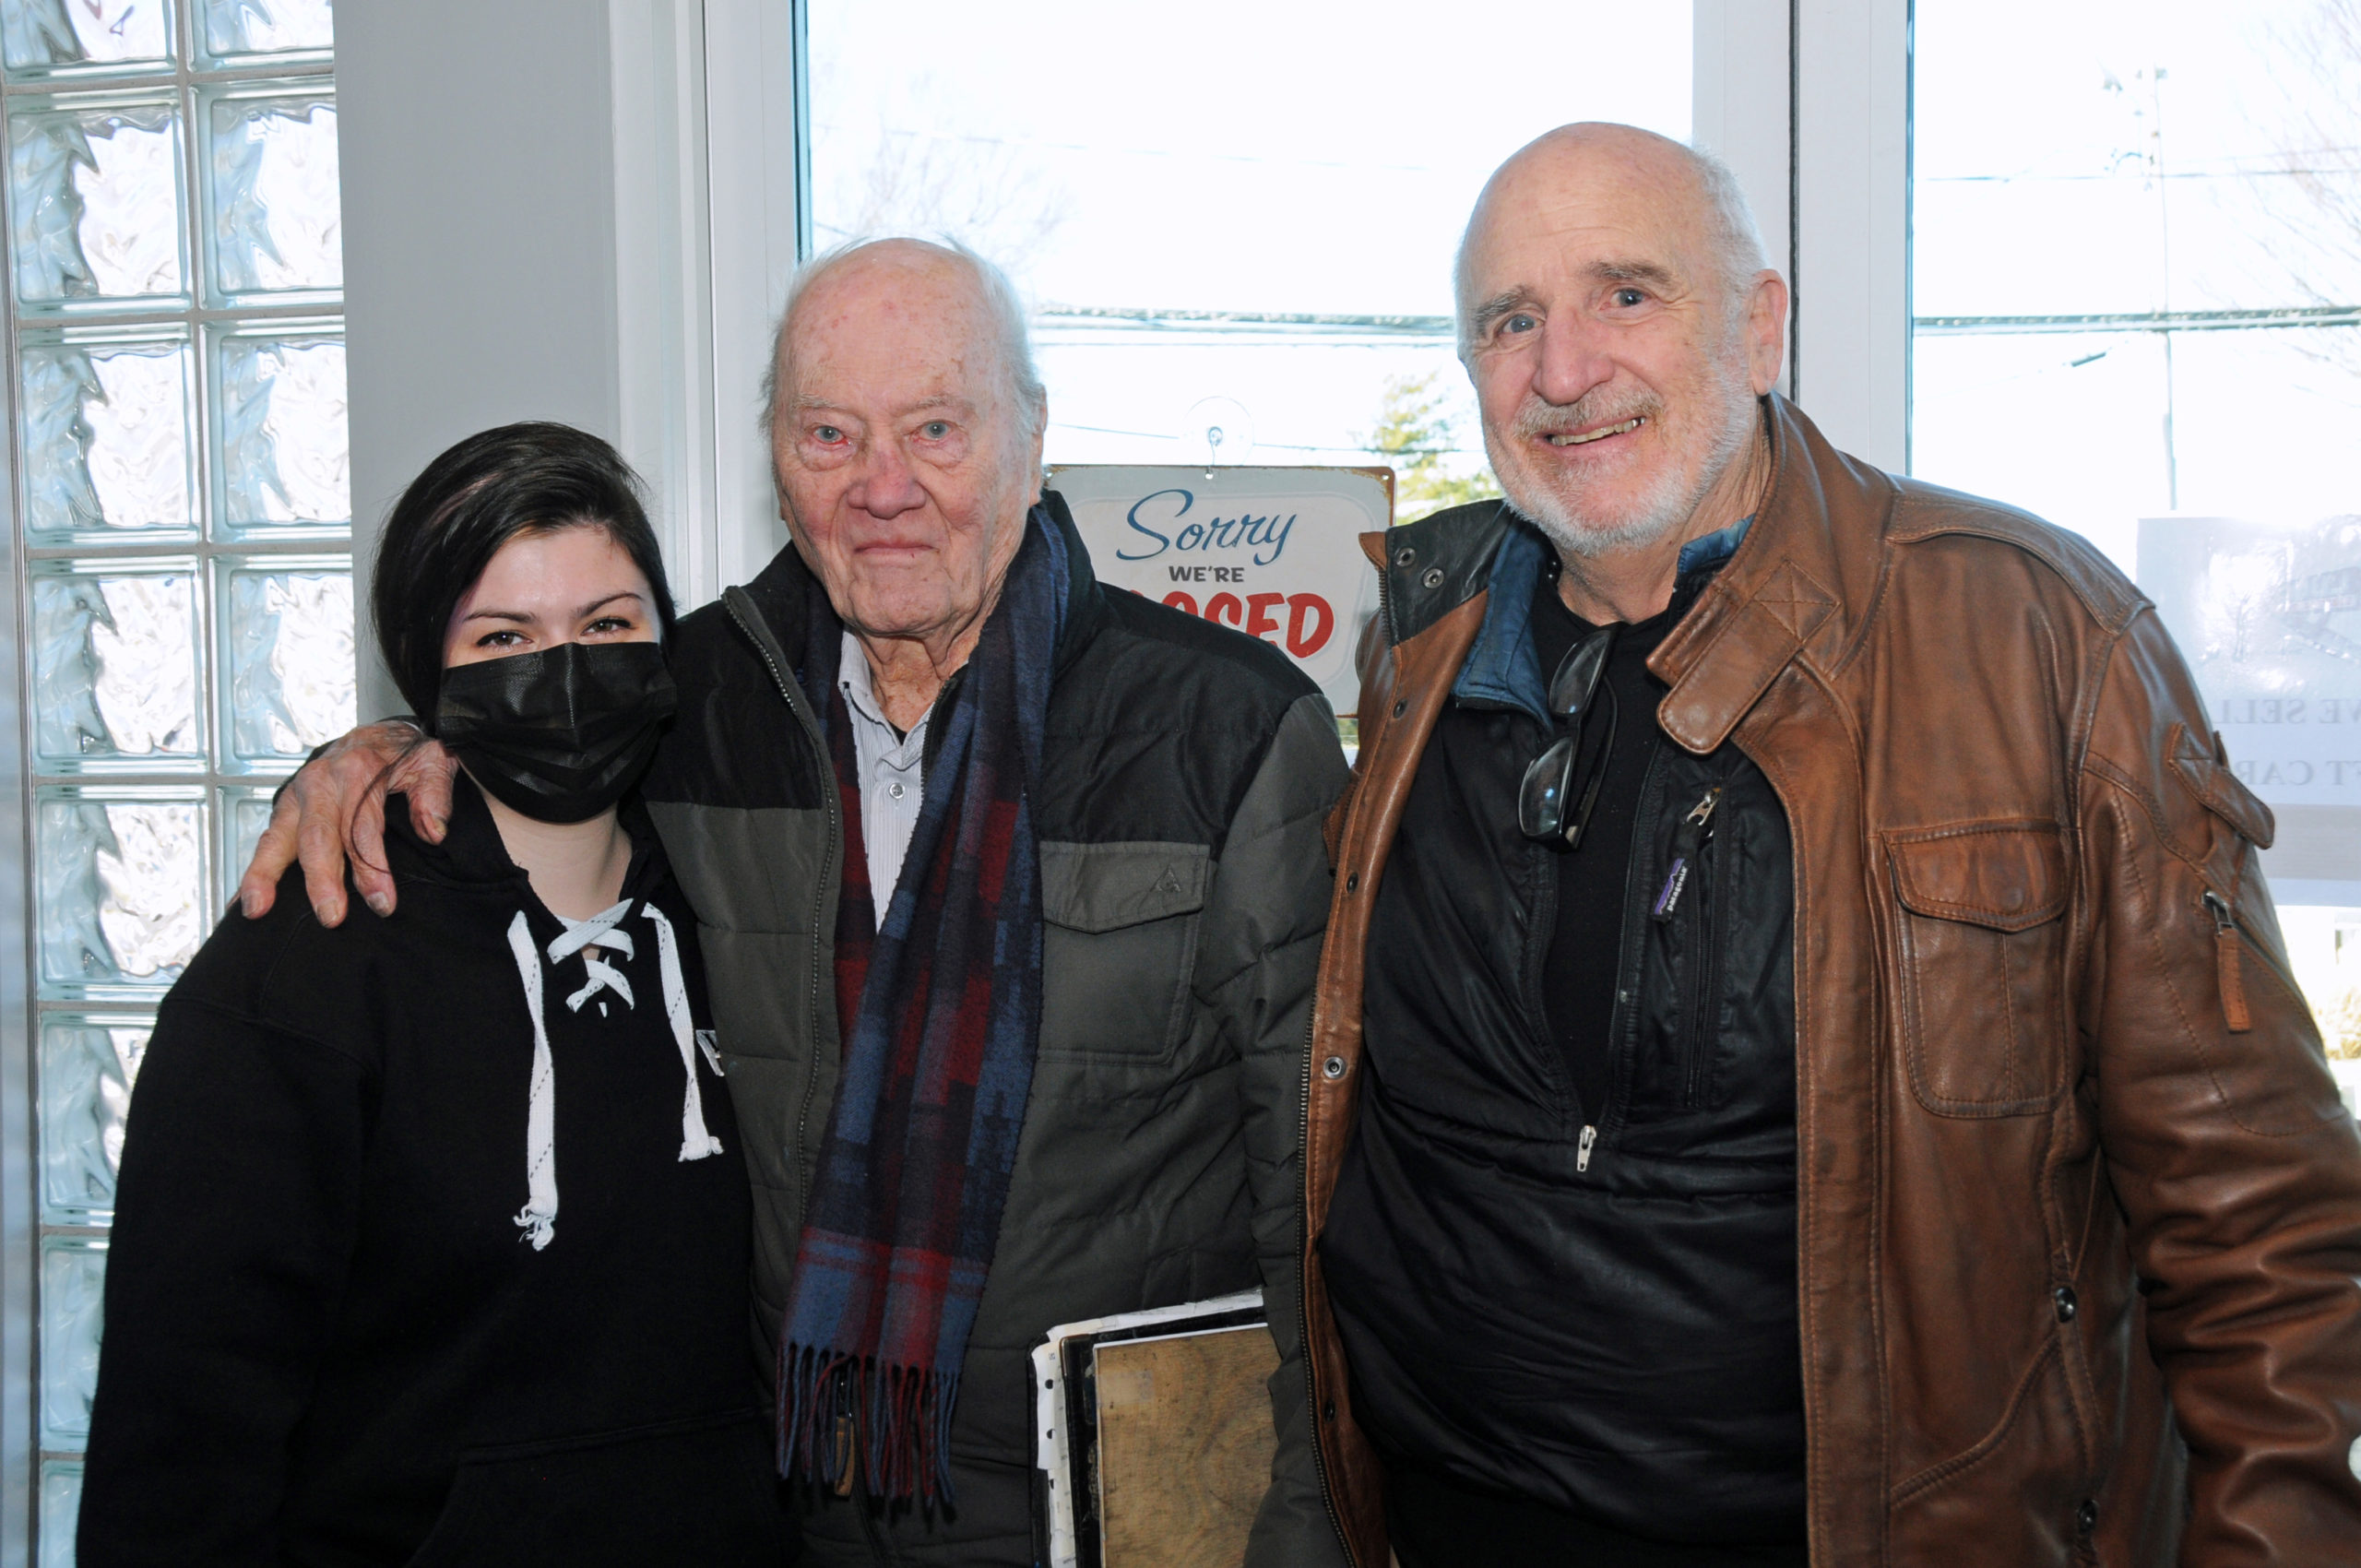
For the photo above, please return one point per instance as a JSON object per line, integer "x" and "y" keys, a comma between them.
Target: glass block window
{"x": 176, "y": 428}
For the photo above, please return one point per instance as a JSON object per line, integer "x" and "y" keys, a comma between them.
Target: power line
{"x": 2266, "y": 318}
{"x": 1142, "y": 318}
{"x": 1283, "y": 445}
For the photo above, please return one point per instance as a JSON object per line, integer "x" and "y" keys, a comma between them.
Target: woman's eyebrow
{"x": 522, "y": 616}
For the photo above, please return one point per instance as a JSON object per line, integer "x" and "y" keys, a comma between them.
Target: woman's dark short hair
{"x": 520, "y": 479}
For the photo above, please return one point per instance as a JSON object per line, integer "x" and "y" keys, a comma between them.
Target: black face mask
{"x": 559, "y": 735}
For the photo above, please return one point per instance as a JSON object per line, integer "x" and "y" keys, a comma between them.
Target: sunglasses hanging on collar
{"x": 1561, "y": 785}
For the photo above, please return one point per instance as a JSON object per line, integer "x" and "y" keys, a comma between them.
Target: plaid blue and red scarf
{"x": 940, "y": 1013}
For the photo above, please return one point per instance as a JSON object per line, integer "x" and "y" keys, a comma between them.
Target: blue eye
{"x": 1520, "y": 322}
{"x": 1629, "y": 297}
{"x": 936, "y": 430}
{"x": 827, "y": 433}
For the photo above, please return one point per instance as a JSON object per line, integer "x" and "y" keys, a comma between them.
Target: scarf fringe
{"x": 891, "y": 1424}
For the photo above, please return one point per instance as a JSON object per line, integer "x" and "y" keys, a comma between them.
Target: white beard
{"x": 1669, "y": 503}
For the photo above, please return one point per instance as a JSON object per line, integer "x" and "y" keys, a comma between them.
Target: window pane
{"x": 49, "y": 35}
{"x": 267, "y": 27}
{"x": 1174, "y": 225}
{"x": 287, "y": 634}
{"x": 88, "y": 185}
{"x": 2137, "y": 274}
{"x": 115, "y": 664}
{"x": 73, "y": 1278}
{"x": 88, "y": 1067}
{"x": 279, "y": 415}
{"x": 123, "y": 900}
{"x": 106, "y": 434}
{"x": 60, "y": 1508}
{"x": 243, "y": 813}
{"x": 275, "y": 220}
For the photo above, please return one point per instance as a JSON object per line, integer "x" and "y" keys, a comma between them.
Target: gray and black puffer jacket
{"x": 1185, "y": 773}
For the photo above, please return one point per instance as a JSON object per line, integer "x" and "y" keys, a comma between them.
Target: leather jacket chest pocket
{"x": 1119, "y": 946}
{"x": 1981, "y": 937}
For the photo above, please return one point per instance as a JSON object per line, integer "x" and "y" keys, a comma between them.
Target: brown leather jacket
{"x": 2079, "y": 1211}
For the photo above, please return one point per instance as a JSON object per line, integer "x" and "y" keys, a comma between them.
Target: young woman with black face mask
{"x": 431, "y": 1242}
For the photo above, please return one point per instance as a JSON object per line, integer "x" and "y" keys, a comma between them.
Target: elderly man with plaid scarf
{"x": 1010, "y": 892}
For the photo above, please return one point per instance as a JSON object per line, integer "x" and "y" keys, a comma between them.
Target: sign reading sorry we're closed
{"x": 1273, "y": 551}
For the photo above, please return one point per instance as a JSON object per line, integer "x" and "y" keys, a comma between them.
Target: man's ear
{"x": 1766, "y": 329}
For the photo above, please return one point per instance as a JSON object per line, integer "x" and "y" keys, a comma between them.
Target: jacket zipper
{"x": 2227, "y": 972}
{"x": 1689, "y": 871}
{"x": 792, "y": 696}
{"x": 796, "y": 706}
{"x": 2229, "y": 931}
{"x": 1628, "y": 969}
{"x": 1688, "y": 843}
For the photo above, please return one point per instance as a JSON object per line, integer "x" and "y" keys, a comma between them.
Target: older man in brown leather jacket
{"x": 1804, "y": 1064}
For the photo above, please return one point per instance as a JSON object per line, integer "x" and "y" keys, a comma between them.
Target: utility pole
{"x": 2164, "y": 244}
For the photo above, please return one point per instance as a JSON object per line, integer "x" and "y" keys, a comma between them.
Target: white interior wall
{"x": 478, "y": 239}
{"x": 581, "y": 212}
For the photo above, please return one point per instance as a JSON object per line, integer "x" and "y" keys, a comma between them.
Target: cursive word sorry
{"x": 1266, "y": 536}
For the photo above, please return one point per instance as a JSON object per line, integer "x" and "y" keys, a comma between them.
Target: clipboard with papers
{"x": 1153, "y": 1435}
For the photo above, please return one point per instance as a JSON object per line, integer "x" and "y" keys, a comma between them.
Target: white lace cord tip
{"x": 696, "y": 1140}
{"x": 538, "y": 1219}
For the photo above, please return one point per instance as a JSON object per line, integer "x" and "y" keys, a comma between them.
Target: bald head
{"x": 953, "y": 280}
{"x": 1618, "y": 325}
{"x": 1693, "y": 193}
{"x": 906, "y": 422}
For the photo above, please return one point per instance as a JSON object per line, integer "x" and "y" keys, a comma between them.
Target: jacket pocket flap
{"x": 2206, "y": 777}
{"x": 2008, "y": 876}
{"x": 1095, "y": 887}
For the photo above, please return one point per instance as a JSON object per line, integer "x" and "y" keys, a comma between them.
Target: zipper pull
{"x": 2228, "y": 971}
{"x": 1581, "y": 1149}
{"x": 1687, "y": 840}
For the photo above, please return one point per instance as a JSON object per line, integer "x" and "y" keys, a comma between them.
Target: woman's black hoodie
{"x": 329, "y": 1338}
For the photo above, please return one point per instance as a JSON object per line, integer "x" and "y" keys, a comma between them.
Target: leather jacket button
{"x": 1332, "y": 1069}
{"x": 2063, "y": 1298}
{"x": 1352, "y": 880}
{"x": 1406, "y": 557}
{"x": 1433, "y": 578}
{"x": 2086, "y": 1518}
{"x": 1328, "y": 1411}
{"x": 1401, "y": 707}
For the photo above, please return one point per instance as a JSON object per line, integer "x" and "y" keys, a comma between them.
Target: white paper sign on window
{"x": 1271, "y": 551}
{"x": 2269, "y": 618}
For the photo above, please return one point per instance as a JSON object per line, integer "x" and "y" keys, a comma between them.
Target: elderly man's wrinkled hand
{"x": 335, "y": 808}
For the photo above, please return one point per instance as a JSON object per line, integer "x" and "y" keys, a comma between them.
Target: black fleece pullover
{"x": 329, "y": 1341}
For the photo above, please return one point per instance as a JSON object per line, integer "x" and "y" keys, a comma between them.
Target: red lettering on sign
{"x": 1302, "y": 643}
{"x": 1310, "y": 622}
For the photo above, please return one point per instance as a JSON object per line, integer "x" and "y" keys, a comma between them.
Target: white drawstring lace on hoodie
{"x": 592, "y": 939}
